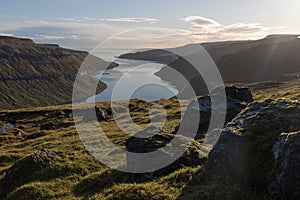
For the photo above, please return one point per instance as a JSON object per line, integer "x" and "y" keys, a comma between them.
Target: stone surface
{"x": 4, "y": 126}
{"x": 249, "y": 152}
{"x": 23, "y": 169}
{"x": 101, "y": 114}
{"x": 137, "y": 144}
{"x": 241, "y": 94}
{"x": 228, "y": 157}
{"x": 156, "y": 143}
{"x": 237, "y": 100}
{"x": 47, "y": 126}
{"x": 287, "y": 151}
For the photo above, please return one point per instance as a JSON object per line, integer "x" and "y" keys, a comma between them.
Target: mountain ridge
{"x": 34, "y": 74}
{"x": 246, "y": 61}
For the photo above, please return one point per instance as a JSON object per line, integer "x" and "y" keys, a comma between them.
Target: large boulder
{"x": 249, "y": 154}
{"x": 140, "y": 143}
{"x": 287, "y": 152}
{"x": 24, "y": 169}
{"x": 237, "y": 100}
{"x": 228, "y": 157}
{"x": 156, "y": 142}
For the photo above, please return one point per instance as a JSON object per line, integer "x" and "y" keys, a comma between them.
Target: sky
{"x": 83, "y": 24}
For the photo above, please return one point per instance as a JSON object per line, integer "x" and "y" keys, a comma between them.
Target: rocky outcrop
{"x": 241, "y": 94}
{"x": 152, "y": 139}
{"x": 26, "y": 167}
{"x": 287, "y": 152}
{"x": 237, "y": 100}
{"x": 228, "y": 157}
{"x": 101, "y": 114}
{"x": 155, "y": 142}
{"x": 249, "y": 153}
{"x": 137, "y": 144}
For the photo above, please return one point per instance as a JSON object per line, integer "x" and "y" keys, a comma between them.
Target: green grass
{"x": 75, "y": 174}
{"x": 288, "y": 89}
{"x": 40, "y": 75}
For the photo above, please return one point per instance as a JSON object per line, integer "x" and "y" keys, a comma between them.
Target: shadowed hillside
{"x": 38, "y": 74}
{"x": 238, "y": 61}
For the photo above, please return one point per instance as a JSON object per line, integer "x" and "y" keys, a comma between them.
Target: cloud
{"x": 80, "y": 33}
{"x": 66, "y": 33}
{"x": 86, "y": 33}
{"x": 204, "y": 29}
{"x": 244, "y": 28}
{"x": 70, "y": 19}
{"x": 132, "y": 20}
{"x": 48, "y": 37}
{"x": 201, "y": 22}
{"x": 6, "y": 34}
{"x": 125, "y": 20}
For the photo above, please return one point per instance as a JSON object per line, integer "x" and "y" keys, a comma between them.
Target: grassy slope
{"x": 80, "y": 176}
{"x": 38, "y": 75}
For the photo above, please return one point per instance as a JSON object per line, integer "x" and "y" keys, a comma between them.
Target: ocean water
{"x": 132, "y": 79}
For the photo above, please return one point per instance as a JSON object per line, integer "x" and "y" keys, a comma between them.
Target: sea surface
{"x": 131, "y": 79}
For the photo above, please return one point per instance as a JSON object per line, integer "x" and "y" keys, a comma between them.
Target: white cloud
{"x": 201, "y": 22}
{"x": 6, "y": 34}
{"x": 244, "y": 28}
{"x": 66, "y": 33}
{"x": 85, "y": 34}
{"x": 132, "y": 20}
{"x": 204, "y": 29}
{"x": 70, "y": 19}
{"x": 89, "y": 32}
{"x": 125, "y": 20}
{"x": 48, "y": 37}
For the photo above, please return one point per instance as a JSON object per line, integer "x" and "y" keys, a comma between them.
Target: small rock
{"x": 47, "y": 126}
{"x": 101, "y": 114}
{"x": 4, "y": 126}
{"x": 241, "y": 94}
{"x": 59, "y": 113}
{"x": 35, "y": 135}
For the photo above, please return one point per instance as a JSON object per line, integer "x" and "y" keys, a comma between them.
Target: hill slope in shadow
{"x": 238, "y": 61}
{"x": 39, "y": 74}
